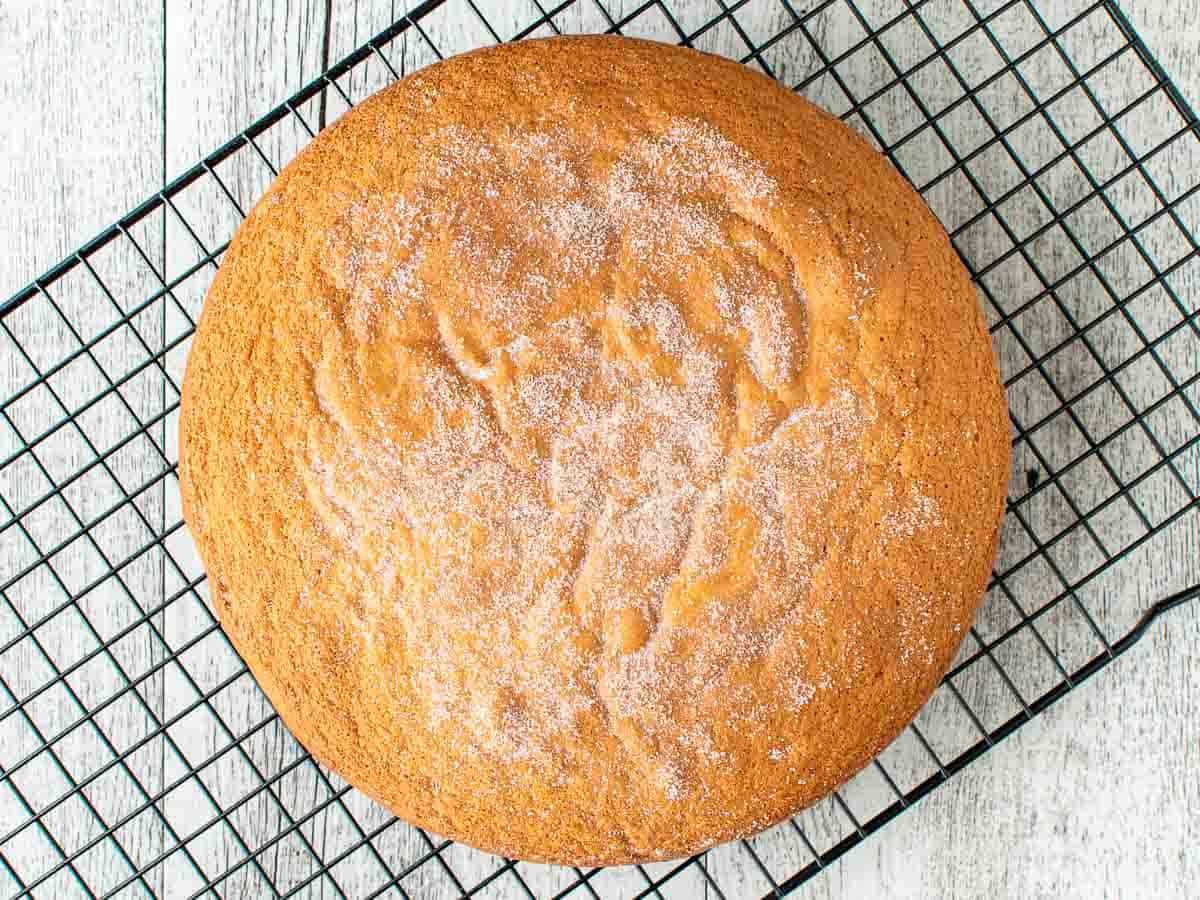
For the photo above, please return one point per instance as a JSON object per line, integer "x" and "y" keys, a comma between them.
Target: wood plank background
{"x": 1098, "y": 797}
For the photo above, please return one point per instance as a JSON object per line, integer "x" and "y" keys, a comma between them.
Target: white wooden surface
{"x": 1096, "y": 798}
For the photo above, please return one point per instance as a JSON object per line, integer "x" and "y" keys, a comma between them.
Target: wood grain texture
{"x": 81, "y": 107}
{"x": 276, "y": 48}
{"x": 1096, "y": 797}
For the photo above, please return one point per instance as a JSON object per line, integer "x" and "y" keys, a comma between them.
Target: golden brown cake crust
{"x": 596, "y": 450}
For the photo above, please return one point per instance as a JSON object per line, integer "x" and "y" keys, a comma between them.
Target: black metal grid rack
{"x": 1072, "y": 198}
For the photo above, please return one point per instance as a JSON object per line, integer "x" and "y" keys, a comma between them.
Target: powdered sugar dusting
{"x": 919, "y": 513}
{"x": 578, "y": 512}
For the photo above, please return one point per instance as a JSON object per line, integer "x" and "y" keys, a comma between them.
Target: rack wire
{"x": 138, "y": 757}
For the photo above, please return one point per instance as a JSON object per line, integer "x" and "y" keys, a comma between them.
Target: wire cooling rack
{"x": 137, "y": 756}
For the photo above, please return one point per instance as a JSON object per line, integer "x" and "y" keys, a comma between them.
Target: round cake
{"x": 596, "y": 450}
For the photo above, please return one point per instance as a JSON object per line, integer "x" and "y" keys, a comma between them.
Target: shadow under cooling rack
{"x": 138, "y": 756}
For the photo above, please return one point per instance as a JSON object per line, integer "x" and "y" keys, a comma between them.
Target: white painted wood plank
{"x": 80, "y": 143}
{"x": 227, "y": 64}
